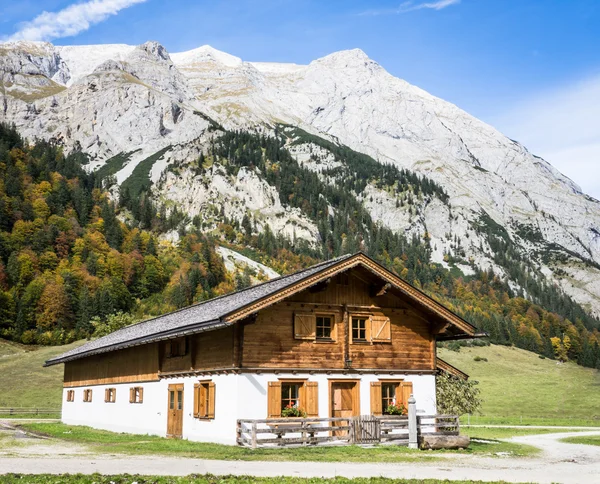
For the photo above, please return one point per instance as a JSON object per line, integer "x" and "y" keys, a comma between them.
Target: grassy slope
{"x": 515, "y": 383}
{"x": 23, "y": 380}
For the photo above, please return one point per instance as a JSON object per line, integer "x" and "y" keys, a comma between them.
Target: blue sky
{"x": 529, "y": 67}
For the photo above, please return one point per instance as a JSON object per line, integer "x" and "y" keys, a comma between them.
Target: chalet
{"x": 342, "y": 338}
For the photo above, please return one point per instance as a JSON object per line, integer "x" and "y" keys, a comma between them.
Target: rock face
{"x": 112, "y": 99}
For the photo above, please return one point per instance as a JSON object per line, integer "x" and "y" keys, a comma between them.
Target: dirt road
{"x": 558, "y": 463}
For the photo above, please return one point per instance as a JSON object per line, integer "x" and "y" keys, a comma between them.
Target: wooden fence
{"x": 365, "y": 429}
{"x": 293, "y": 431}
{"x": 8, "y": 411}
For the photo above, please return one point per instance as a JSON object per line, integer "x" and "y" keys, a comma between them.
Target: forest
{"x": 69, "y": 255}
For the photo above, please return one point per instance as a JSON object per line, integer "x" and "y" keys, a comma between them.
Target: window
{"x": 290, "y": 395}
{"x": 110, "y": 395}
{"x": 324, "y": 327}
{"x": 299, "y": 394}
{"x": 136, "y": 395}
{"x": 388, "y": 395}
{"x": 70, "y": 395}
{"x": 177, "y": 348}
{"x": 204, "y": 400}
{"x": 87, "y": 395}
{"x": 390, "y": 392}
{"x": 359, "y": 328}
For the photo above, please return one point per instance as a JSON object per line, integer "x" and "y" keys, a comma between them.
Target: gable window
{"x": 204, "y": 400}
{"x": 110, "y": 395}
{"x": 359, "y": 328}
{"x": 324, "y": 326}
{"x": 70, "y": 395}
{"x": 87, "y": 395}
{"x": 136, "y": 395}
{"x": 177, "y": 348}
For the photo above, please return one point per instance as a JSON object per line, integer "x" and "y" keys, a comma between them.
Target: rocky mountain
{"x": 145, "y": 117}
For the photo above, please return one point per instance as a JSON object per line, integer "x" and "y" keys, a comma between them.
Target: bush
{"x": 28, "y": 337}
{"x": 454, "y": 346}
{"x": 45, "y": 338}
{"x": 480, "y": 358}
{"x": 456, "y": 396}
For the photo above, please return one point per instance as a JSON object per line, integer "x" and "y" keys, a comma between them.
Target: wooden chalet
{"x": 342, "y": 338}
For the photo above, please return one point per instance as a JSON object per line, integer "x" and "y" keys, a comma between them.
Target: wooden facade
{"x": 353, "y": 320}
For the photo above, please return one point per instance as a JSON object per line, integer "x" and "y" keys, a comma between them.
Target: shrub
{"x": 28, "y": 337}
{"x": 45, "y": 338}
{"x": 480, "y": 358}
{"x": 292, "y": 411}
{"x": 456, "y": 396}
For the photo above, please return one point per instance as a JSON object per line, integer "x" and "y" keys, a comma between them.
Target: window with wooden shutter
{"x": 360, "y": 326}
{"x": 204, "y": 400}
{"x": 311, "y": 398}
{"x": 70, "y": 395}
{"x": 406, "y": 390}
{"x": 381, "y": 330}
{"x": 110, "y": 395}
{"x": 136, "y": 395}
{"x": 87, "y": 395}
{"x": 274, "y": 399}
{"x": 376, "y": 398}
{"x": 304, "y": 326}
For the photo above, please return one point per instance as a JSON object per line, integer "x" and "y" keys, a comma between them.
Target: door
{"x": 344, "y": 402}
{"x": 175, "y": 411}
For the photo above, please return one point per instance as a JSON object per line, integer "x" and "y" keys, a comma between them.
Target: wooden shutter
{"x": 196, "y": 400}
{"x": 141, "y": 400}
{"x": 211, "y": 400}
{"x": 131, "y": 395}
{"x": 381, "y": 330}
{"x": 406, "y": 388}
{"x": 304, "y": 326}
{"x": 376, "y": 408}
{"x": 274, "y": 400}
{"x": 311, "y": 395}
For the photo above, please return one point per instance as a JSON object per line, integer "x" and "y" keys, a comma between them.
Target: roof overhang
{"x": 444, "y": 366}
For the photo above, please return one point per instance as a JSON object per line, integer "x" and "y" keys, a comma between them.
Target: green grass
{"x": 140, "y": 177}
{"x": 516, "y": 383}
{"x": 114, "y": 164}
{"x": 207, "y": 479}
{"x": 589, "y": 440}
{"x": 103, "y": 441}
{"x": 23, "y": 380}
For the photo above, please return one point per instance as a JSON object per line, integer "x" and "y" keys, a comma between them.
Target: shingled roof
{"x": 226, "y": 310}
{"x": 204, "y": 316}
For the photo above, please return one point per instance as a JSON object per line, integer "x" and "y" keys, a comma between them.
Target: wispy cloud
{"x": 411, "y": 6}
{"x": 561, "y": 125}
{"x": 69, "y": 21}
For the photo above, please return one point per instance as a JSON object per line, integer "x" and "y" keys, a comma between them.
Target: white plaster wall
{"x": 236, "y": 396}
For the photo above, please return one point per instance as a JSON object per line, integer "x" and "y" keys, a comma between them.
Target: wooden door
{"x": 175, "y": 411}
{"x": 344, "y": 402}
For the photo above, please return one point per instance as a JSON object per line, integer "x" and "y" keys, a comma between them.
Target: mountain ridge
{"x": 345, "y": 98}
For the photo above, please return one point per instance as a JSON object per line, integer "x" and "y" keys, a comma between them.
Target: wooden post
{"x": 413, "y": 441}
{"x": 254, "y": 443}
{"x": 303, "y": 432}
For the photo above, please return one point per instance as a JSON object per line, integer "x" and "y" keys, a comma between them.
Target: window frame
{"x": 178, "y": 343}
{"x": 136, "y": 395}
{"x": 204, "y": 399}
{"x": 301, "y": 398}
{"x": 70, "y": 396}
{"x": 367, "y": 329}
{"x": 398, "y": 392}
{"x": 332, "y": 328}
{"x": 87, "y": 395}
{"x": 110, "y": 395}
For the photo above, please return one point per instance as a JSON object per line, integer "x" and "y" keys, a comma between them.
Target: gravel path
{"x": 558, "y": 463}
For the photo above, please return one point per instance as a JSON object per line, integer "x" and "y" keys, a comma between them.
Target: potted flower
{"x": 395, "y": 409}
{"x": 291, "y": 411}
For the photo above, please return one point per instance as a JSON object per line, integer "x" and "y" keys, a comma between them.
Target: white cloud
{"x": 70, "y": 21}
{"x": 562, "y": 126}
{"x": 411, "y": 6}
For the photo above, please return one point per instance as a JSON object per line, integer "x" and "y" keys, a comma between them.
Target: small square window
{"x": 359, "y": 329}
{"x": 110, "y": 395}
{"x": 324, "y": 327}
{"x": 136, "y": 395}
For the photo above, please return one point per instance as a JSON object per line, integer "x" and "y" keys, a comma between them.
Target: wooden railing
{"x": 364, "y": 429}
{"x": 440, "y": 424}
{"x": 8, "y": 411}
{"x": 293, "y": 431}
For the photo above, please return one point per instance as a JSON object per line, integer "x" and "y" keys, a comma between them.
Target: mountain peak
{"x": 154, "y": 49}
{"x": 346, "y": 58}
{"x": 206, "y": 53}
